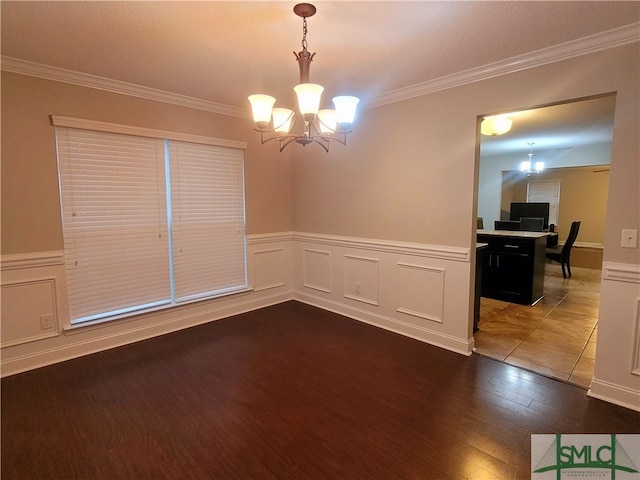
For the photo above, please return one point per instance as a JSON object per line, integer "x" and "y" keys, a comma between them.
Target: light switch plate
{"x": 629, "y": 238}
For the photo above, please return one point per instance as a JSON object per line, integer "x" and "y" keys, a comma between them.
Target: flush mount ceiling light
{"x": 495, "y": 125}
{"x": 526, "y": 166}
{"x": 319, "y": 126}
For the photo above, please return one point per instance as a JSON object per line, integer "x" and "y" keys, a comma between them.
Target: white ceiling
{"x": 223, "y": 51}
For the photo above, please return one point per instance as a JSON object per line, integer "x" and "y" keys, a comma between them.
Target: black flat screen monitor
{"x": 530, "y": 209}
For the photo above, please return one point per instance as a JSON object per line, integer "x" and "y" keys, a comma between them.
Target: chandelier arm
{"x": 336, "y": 135}
{"x": 342, "y": 141}
{"x": 326, "y": 147}
{"x": 338, "y": 130}
{"x": 264, "y": 139}
{"x": 291, "y": 139}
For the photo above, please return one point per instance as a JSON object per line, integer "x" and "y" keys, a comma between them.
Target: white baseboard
{"x": 616, "y": 394}
{"x": 391, "y": 324}
{"x": 167, "y": 322}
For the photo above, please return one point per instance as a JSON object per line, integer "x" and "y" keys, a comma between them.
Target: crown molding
{"x": 575, "y": 48}
{"x": 32, "y": 69}
{"x": 563, "y": 51}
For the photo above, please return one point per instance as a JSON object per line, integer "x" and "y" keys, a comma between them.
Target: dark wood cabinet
{"x": 513, "y": 266}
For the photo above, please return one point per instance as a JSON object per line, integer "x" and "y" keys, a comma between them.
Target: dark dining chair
{"x": 563, "y": 255}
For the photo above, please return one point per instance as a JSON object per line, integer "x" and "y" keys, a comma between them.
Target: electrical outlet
{"x": 629, "y": 238}
{"x": 46, "y": 321}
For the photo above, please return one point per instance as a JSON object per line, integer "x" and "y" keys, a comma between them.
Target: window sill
{"x": 82, "y": 327}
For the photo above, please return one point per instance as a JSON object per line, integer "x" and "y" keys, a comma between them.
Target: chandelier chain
{"x": 304, "y": 33}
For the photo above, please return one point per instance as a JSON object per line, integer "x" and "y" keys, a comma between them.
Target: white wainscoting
{"x": 32, "y": 307}
{"x": 617, "y": 373}
{"x": 635, "y": 364}
{"x": 31, "y": 289}
{"x": 316, "y": 269}
{"x": 362, "y": 279}
{"x": 34, "y": 286}
{"x": 421, "y": 291}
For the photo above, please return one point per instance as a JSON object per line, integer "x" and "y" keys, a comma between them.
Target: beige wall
{"x": 583, "y": 196}
{"x": 30, "y": 202}
{"x": 404, "y": 176}
{"x": 409, "y": 172}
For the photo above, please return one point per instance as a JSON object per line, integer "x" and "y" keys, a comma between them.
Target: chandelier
{"x": 317, "y": 126}
{"x": 528, "y": 167}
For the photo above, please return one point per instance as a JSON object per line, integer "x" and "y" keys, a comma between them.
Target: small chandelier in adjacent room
{"x": 528, "y": 167}
{"x": 319, "y": 126}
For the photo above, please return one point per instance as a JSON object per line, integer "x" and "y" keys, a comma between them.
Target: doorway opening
{"x": 557, "y": 335}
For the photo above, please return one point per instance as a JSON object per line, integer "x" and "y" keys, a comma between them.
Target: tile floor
{"x": 556, "y": 337}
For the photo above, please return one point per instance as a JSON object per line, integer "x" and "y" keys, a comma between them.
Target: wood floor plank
{"x": 286, "y": 392}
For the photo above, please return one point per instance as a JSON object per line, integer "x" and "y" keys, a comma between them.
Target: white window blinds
{"x": 114, "y": 217}
{"x": 122, "y": 251}
{"x": 208, "y": 219}
{"x": 546, "y": 191}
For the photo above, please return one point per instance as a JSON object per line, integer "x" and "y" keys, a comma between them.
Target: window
{"x": 148, "y": 222}
{"x": 547, "y": 191}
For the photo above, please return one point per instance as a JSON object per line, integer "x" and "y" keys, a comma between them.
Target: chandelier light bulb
{"x": 345, "y": 110}
{"x": 261, "y": 106}
{"x": 308, "y": 98}
{"x": 282, "y": 118}
{"x": 328, "y": 121}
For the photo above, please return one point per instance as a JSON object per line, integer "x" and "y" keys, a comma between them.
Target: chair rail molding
{"x": 621, "y": 272}
{"x": 19, "y": 261}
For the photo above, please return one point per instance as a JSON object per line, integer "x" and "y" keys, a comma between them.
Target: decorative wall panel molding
{"x": 29, "y": 311}
{"x": 362, "y": 279}
{"x": 421, "y": 291}
{"x": 267, "y": 269}
{"x": 316, "y": 270}
{"x": 635, "y": 367}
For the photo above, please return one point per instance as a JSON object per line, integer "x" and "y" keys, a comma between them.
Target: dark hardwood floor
{"x": 287, "y": 392}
